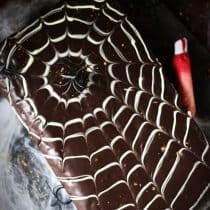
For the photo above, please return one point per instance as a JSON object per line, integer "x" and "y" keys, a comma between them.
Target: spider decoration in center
{"x": 71, "y": 77}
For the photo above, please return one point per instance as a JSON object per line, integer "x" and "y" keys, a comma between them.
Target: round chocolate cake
{"x": 100, "y": 109}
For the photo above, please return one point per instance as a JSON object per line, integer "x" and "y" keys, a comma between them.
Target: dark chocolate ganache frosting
{"x": 100, "y": 109}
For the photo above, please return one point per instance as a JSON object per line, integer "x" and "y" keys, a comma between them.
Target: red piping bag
{"x": 182, "y": 67}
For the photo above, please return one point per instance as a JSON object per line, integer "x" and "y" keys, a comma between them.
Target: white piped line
{"x": 101, "y": 33}
{"x": 28, "y": 65}
{"x": 115, "y": 140}
{"x": 205, "y": 151}
{"x": 128, "y": 91}
{"x": 126, "y": 206}
{"x": 186, "y": 131}
{"x": 45, "y": 81}
{"x": 71, "y": 19}
{"x": 132, "y": 41}
{"x": 176, "y": 101}
{"x": 119, "y": 53}
{"x": 152, "y": 201}
{"x": 21, "y": 33}
{"x": 128, "y": 73}
{"x": 51, "y": 139}
{"x": 140, "y": 80}
{"x": 74, "y": 137}
{"x": 132, "y": 170}
{"x": 200, "y": 197}
{"x": 185, "y": 183}
{"x": 58, "y": 9}
{"x": 102, "y": 53}
{"x": 99, "y": 151}
{"x": 143, "y": 189}
{"x": 55, "y": 124}
{"x": 106, "y": 101}
{"x": 77, "y": 36}
{"x": 140, "y": 38}
{"x": 104, "y": 124}
{"x": 11, "y": 52}
{"x": 86, "y": 116}
{"x": 25, "y": 86}
{"x": 3, "y": 46}
{"x": 174, "y": 124}
{"x": 92, "y": 41}
{"x": 91, "y": 130}
{"x": 113, "y": 85}
{"x": 171, "y": 172}
{"x": 62, "y": 20}
{"x": 41, "y": 49}
{"x": 75, "y": 178}
{"x": 124, "y": 155}
{"x": 153, "y": 80}
{"x": 83, "y": 7}
{"x": 75, "y": 157}
{"x": 148, "y": 107}
{"x": 119, "y": 112}
{"x": 111, "y": 187}
{"x": 98, "y": 109}
{"x": 80, "y": 198}
{"x": 59, "y": 39}
{"x": 137, "y": 135}
{"x": 114, "y": 10}
{"x": 160, "y": 108}
{"x": 100, "y": 1}
{"x": 28, "y": 35}
{"x": 51, "y": 91}
{"x": 162, "y": 84}
{"x": 148, "y": 144}
{"x": 160, "y": 162}
{"x": 53, "y": 60}
{"x": 110, "y": 17}
{"x": 128, "y": 124}
{"x": 73, "y": 121}
{"x": 110, "y": 165}
{"x": 137, "y": 100}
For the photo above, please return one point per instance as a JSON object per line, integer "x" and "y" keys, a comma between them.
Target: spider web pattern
{"x": 124, "y": 142}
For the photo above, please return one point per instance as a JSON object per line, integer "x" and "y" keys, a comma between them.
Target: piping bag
{"x": 182, "y": 67}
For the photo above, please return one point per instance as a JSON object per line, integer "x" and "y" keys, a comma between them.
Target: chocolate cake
{"x": 99, "y": 107}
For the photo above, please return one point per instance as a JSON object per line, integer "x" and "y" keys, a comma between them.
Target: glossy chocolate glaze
{"x": 105, "y": 117}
